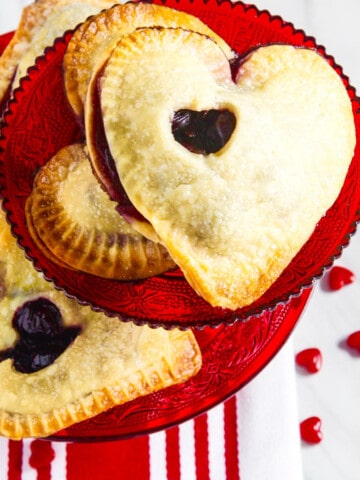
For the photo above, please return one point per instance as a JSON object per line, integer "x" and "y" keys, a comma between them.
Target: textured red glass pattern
{"x": 232, "y": 355}
{"x": 39, "y": 122}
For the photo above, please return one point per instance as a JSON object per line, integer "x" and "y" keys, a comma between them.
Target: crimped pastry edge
{"x": 140, "y": 259}
{"x": 16, "y": 426}
{"x": 32, "y": 19}
{"x": 77, "y": 74}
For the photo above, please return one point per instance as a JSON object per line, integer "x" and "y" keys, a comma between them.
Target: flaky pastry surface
{"x": 234, "y": 219}
{"x": 41, "y": 22}
{"x": 92, "y": 42}
{"x": 76, "y": 221}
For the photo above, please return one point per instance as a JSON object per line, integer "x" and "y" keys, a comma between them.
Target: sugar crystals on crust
{"x": 232, "y": 219}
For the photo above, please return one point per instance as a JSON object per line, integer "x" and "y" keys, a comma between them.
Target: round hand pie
{"x": 93, "y": 41}
{"x": 61, "y": 363}
{"x": 232, "y": 213}
{"x": 41, "y": 22}
{"x": 74, "y": 223}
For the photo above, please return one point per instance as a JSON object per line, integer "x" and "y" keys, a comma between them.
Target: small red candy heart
{"x": 310, "y": 359}
{"x": 353, "y": 341}
{"x": 338, "y": 277}
{"x": 310, "y": 430}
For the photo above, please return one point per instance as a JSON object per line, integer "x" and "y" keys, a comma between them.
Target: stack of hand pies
{"x": 218, "y": 165}
{"x": 193, "y": 158}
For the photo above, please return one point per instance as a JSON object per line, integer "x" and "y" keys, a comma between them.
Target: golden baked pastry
{"x": 232, "y": 217}
{"x": 61, "y": 363}
{"x": 94, "y": 39}
{"x": 16, "y": 274}
{"x": 72, "y": 219}
{"x": 41, "y": 22}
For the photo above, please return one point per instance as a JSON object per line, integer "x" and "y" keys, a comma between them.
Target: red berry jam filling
{"x": 109, "y": 175}
{"x": 203, "y": 132}
{"x": 235, "y": 64}
{"x": 42, "y": 336}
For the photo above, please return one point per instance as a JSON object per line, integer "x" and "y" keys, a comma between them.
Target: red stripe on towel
{"x": 15, "y": 460}
{"x": 231, "y": 444}
{"x": 173, "y": 454}
{"x": 201, "y": 448}
{"x": 125, "y": 459}
{"x": 42, "y": 454}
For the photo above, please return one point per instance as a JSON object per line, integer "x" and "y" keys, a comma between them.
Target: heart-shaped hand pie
{"x": 61, "y": 363}
{"x": 233, "y": 219}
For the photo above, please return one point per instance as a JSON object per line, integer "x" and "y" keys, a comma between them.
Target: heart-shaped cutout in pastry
{"x": 203, "y": 132}
{"x": 42, "y": 337}
{"x": 234, "y": 219}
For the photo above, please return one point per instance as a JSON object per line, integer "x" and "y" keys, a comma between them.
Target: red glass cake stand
{"x": 232, "y": 355}
{"x": 37, "y": 122}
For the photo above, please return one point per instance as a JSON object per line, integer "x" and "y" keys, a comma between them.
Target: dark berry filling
{"x": 235, "y": 64}
{"x": 42, "y": 336}
{"x": 109, "y": 176}
{"x": 203, "y": 132}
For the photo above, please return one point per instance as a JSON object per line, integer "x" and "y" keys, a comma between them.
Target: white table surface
{"x": 333, "y": 394}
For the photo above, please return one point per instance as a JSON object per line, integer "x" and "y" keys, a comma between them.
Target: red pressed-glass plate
{"x": 38, "y": 122}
